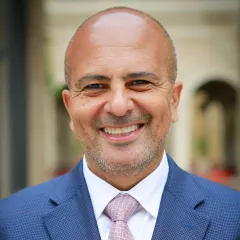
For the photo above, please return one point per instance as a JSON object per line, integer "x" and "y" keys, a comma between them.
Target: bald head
{"x": 120, "y": 27}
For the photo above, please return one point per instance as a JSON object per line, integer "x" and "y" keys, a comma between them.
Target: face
{"x": 121, "y": 101}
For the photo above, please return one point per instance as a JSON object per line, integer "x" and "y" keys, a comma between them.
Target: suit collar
{"x": 179, "y": 183}
{"x": 73, "y": 216}
{"x": 179, "y": 208}
{"x": 67, "y": 185}
{"x": 182, "y": 186}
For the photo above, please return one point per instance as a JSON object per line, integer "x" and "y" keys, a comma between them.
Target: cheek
{"x": 161, "y": 122}
{"x": 83, "y": 114}
{"x": 159, "y": 108}
{"x": 87, "y": 105}
{"x": 82, "y": 109}
{"x": 80, "y": 119}
{"x": 161, "y": 115}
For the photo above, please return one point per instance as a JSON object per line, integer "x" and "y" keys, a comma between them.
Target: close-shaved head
{"x": 121, "y": 69}
{"x": 124, "y": 19}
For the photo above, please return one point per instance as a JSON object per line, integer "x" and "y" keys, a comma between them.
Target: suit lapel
{"x": 178, "y": 217}
{"x": 73, "y": 217}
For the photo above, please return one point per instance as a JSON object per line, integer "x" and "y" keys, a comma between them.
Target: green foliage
{"x": 202, "y": 145}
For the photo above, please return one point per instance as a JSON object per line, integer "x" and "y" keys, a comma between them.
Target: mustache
{"x": 122, "y": 120}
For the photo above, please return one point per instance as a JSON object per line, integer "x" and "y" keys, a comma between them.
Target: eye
{"x": 139, "y": 82}
{"x": 94, "y": 86}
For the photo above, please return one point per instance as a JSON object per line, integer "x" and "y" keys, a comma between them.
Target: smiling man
{"x": 121, "y": 71}
{"x": 123, "y": 95}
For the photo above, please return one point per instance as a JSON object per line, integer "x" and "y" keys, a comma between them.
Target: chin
{"x": 121, "y": 160}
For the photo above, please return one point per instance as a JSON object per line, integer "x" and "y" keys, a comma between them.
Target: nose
{"x": 119, "y": 102}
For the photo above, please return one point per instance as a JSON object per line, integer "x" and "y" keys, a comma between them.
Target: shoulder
{"x": 23, "y": 209}
{"x": 221, "y": 204}
{"x": 22, "y": 214}
{"x": 41, "y": 194}
{"x": 183, "y": 181}
{"x": 37, "y": 193}
{"x": 217, "y": 202}
{"x": 217, "y": 191}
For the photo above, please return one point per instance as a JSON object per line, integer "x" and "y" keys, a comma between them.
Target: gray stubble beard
{"x": 132, "y": 169}
{"x": 135, "y": 168}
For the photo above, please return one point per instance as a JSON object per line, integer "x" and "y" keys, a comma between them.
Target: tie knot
{"x": 121, "y": 208}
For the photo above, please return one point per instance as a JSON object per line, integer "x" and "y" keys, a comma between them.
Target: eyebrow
{"x": 89, "y": 77}
{"x": 142, "y": 75}
{"x": 98, "y": 77}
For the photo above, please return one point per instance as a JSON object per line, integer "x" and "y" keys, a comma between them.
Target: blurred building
{"x": 36, "y": 143}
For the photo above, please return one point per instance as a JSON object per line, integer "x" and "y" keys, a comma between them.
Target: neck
{"x": 123, "y": 182}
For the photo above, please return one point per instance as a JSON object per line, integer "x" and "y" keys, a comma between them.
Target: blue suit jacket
{"x": 192, "y": 208}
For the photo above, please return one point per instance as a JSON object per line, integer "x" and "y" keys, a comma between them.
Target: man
{"x": 123, "y": 96}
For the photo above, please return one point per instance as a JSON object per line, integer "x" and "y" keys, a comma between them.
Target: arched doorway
{"x": 214, "y": 146}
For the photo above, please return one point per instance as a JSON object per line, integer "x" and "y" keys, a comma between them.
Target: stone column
{"x": 238, "y": 103}
{"x": 41, "y": 118}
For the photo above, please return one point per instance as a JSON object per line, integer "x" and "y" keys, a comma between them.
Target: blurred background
{"x": 35, "y": 141}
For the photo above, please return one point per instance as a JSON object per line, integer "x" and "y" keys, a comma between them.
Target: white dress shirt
{"x": 148, "y": 193}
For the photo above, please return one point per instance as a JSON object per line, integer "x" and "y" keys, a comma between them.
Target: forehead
{"x": 116, "y": 60}
{"x": 117, "y": 42}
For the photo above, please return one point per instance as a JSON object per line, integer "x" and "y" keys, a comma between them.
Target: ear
{"x": 71, "y": 125}
{"x": 66, "y": 100}
{"x": 176, "y": 95}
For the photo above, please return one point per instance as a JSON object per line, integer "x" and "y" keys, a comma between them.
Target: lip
{"x": 125, "y": 138}
{"x": 122, "y": 125}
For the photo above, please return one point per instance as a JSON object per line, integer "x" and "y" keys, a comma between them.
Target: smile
{"x": 121, "y": 131}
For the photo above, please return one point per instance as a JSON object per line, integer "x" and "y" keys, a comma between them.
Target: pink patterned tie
{"x": 119, "y": 210}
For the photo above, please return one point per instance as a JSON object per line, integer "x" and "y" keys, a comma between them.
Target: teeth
{"x": 107, "y": 130}
{"x": 119, "y": 131}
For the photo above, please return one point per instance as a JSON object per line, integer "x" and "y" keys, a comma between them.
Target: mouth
{"x": 121, "y": 131}
{"x": 122, "y": 135}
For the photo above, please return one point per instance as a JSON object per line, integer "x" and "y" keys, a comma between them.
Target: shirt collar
{"x": 148, "y": 192}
